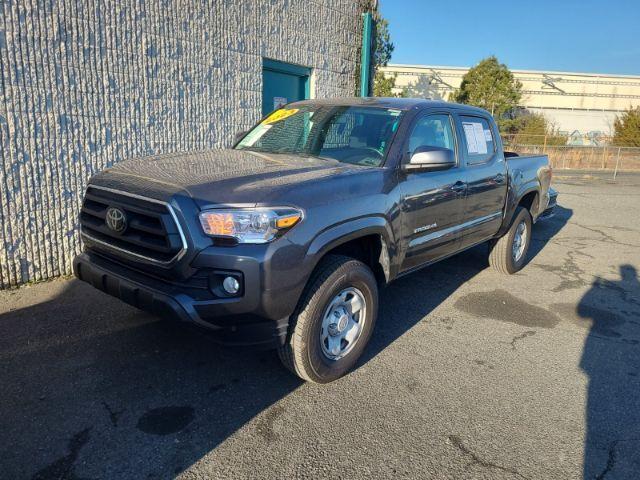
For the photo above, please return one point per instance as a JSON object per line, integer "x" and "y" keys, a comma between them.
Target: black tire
{"x": 302, "y": 353}
{"x": 501, "y": 254}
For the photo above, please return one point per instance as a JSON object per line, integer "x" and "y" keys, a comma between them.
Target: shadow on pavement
{"x": 545, "y": 230}
{"x": 611, "y": 359}
{"x": 94, "y": 388}
{"x": 408, "y": 300}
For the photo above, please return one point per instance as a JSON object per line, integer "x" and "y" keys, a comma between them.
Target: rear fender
{"x": 514, "y": 197}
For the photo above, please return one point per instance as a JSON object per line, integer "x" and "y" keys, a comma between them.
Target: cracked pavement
{"x": 471, "y": 374}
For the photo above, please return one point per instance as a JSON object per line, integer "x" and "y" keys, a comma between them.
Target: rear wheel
{"x": 333, "y": 321}
{"x": 508, "y": 254}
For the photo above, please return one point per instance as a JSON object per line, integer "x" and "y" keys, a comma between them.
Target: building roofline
{"x": 513, "y": 70}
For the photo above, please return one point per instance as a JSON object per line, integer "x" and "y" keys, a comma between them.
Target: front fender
{"x": 342, "y": 233}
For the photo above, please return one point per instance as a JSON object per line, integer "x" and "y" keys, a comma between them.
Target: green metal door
{"x": 282, "y": 83}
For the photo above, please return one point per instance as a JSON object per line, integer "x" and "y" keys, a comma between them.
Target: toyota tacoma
{"x": 284, "y": 240}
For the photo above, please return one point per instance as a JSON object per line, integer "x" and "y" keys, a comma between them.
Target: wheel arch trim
{"x": 343, "y": 233}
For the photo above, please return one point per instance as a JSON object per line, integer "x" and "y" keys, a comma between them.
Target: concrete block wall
{"x": 88, "y": 83}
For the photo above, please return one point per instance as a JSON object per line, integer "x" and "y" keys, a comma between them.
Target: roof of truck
{"x": 386, "y": 102}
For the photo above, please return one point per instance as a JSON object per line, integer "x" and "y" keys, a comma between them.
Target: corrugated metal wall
{"x": 85, "y": 84}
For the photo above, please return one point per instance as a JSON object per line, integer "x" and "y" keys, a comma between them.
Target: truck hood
{"x": 221, "y": 177}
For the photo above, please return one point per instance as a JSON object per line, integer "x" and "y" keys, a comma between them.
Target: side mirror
{"x": 238, "y": 136}
{"x": 431, "y": 158}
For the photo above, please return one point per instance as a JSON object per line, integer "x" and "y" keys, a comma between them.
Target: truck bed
{"x": 525, "y": 172}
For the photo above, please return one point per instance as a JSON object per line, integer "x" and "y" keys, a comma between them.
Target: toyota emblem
{"x": 116, "y": 219}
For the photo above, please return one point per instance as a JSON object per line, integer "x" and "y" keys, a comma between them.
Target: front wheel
{"x": 333, "y": 322}
{"x": 508, "y": 254}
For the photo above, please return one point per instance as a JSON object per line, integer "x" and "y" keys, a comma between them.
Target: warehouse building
{"x": 581, "y": 105}
{"x": 84, "y": 85}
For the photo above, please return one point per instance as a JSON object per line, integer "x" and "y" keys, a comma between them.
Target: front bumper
{"x": 232, "y": 321}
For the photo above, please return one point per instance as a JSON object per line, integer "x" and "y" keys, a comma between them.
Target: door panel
{"x": 433, "y": 204}
{"x": 486, "y": 177}
{"x": 486, "y": 194}
{"x": 432, "y": 201}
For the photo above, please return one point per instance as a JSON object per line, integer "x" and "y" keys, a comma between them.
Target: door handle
{"x": 459, "y": 186}
{"x": 499, "y": 178}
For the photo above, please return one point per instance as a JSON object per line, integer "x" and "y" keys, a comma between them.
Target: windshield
{"x": 355, "y": 135}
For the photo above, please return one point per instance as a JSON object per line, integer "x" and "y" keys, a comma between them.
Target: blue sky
{"x": 562, "y": 35}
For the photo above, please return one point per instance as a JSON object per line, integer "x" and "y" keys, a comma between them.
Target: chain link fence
{"x": 598, "y": 155}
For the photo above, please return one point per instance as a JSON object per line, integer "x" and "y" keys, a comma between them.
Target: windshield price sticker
{"x": 279, "y": 115}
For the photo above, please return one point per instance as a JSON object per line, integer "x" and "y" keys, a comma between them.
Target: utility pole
{"x": 365, "y": 59}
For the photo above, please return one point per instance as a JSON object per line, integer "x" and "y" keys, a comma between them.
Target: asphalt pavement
{"x": 471, "y": 374}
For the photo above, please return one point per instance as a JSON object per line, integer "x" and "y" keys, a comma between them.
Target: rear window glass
{"x": 478, "y": 138}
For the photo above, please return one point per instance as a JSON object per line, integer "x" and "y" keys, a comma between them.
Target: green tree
{"x": 627, "y": 128}
{"x": 383, "y": 85}
{"x": 492, "y": 86}
{"x": 532, "y": 129}
{"x": 382, "y": 50}
{"x": 384, "y": 47}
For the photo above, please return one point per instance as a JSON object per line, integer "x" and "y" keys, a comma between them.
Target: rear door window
{"x": 479, "y": 142}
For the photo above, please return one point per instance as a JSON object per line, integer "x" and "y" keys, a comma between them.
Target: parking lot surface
{"x": 471, "y": 374}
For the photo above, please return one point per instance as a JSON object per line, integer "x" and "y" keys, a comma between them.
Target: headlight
{"x": 255, "y": 225}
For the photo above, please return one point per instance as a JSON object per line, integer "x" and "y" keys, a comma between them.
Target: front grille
{"x": 152, "y": 233}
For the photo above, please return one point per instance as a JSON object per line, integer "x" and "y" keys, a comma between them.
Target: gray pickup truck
{"x": 283, "y": 240}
